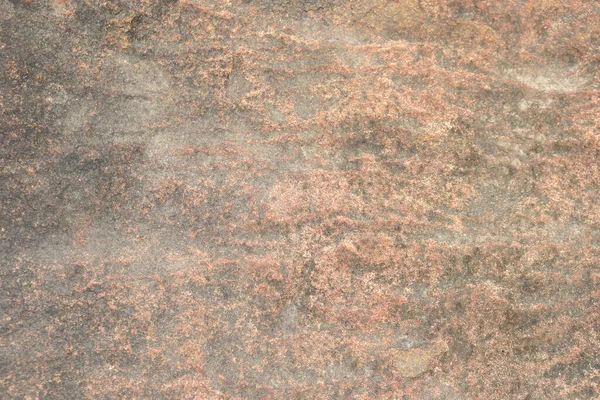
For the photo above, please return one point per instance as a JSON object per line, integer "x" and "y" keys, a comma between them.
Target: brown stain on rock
{"x": 472, "y": 33}
{"x": 119, "y": 30}
{"x": 415, "y": 362}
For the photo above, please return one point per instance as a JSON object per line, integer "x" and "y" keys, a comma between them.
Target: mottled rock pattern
{"x": 277, "y": 199}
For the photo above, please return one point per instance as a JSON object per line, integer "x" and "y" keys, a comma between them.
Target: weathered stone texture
{"x": 281, "y": 199}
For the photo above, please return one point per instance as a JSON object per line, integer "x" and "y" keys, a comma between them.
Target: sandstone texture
{"x": 299, "y": 199}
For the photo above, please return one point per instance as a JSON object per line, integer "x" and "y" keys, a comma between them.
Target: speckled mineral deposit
{"x": 300, "y": 199}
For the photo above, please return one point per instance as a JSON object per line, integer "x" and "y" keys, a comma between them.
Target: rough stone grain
{"x": 300, "y": 199}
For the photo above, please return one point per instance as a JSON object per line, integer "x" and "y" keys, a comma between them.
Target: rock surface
{"x": 300, "y": 199}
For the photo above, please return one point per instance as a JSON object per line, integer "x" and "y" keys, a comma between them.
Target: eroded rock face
{"x": 299, "y": 199}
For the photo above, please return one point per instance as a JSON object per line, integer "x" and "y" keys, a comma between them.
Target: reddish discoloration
{"x": 299, "y": 199}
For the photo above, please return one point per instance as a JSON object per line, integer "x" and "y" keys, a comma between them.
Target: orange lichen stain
{"x": 414, "y": 362}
